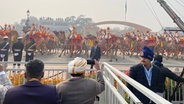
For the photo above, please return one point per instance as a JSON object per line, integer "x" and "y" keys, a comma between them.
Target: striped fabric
{"x": 5, "y": 84}
{"x": 76, "y": 66}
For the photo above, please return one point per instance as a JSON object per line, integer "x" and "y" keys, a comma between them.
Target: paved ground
{"x": 127, "y": 60}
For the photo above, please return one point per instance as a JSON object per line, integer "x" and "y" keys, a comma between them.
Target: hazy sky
{"x": 99, "y": 10}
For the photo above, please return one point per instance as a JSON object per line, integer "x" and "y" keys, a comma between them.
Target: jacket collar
{"x": 33, "y": 83}
{"x": 158, "y": 64}
{"x": 73, "y": 79}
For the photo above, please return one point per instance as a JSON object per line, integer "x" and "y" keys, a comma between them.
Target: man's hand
{"x": 1, "y": 68}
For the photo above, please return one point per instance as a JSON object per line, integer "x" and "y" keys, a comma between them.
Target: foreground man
{"x": 165, "y": 72}
{"x": 78, "y": 90}
{"x": 146, "y": 74}
{"x": 32, "y": 92}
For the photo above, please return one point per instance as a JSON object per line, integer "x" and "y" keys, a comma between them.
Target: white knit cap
{"x": 77, "y": 66}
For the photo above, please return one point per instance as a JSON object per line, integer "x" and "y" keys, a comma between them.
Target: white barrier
{"x": 150, "y": 94}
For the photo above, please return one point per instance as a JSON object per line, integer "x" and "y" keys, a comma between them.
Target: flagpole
{"x": 125, "y": 9}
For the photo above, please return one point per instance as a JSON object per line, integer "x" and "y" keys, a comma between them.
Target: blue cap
{"x": 147, "y": 53}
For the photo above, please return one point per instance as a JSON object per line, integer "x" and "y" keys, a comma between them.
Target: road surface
{"x": 53, "y": 58}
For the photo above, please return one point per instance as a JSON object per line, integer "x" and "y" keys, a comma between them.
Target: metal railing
{"x": 54, "y": 72}
{"x": 170, "y": 84}
{"x": 110, "y": 76}
{"x": 114, "y": 94}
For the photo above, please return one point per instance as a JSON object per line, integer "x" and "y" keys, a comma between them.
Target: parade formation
{"x": 45, "y": 41}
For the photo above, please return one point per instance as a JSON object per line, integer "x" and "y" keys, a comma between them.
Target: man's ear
{"x": 83, "y": 74}
{"x": 25, "y": 75}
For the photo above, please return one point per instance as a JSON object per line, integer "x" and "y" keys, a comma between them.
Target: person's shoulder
{"x": 90, "y": 81}
{"x": 48, "y": 86}
{"x": 157, "y": 67}
{"x": 137, "y": 66}
{"x": 61, "y": 84}
{"x": 15, "y": 89}
{"x": 1, "y": 43}
{"x": 165, "y": 69}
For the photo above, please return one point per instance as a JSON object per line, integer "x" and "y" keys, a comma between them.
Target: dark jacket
{"x": 80, "y": 90}
{"x": 138, "y": 74}
{"x": 30, "y": 48}
{"x": 165, "y": 72}
{"x": 30, "y": 45}
{"x": 17, "y": 46}
{"x": 17, "y": 49}
{"x": 4, "y": 47}
{"x": 95, "y": 53}
{"x": 33, "y": 92}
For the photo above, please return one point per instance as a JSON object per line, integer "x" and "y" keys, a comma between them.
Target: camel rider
{"x": 5, "y": 27}
{"x": 4, "y": 48}
{"x": 33, "y": 29}
{"x": 30, "y": 48}
{"x": 17, "y": 49}
{"x": 48, "y": 31}
{"x": 108, "y": 36}
{"x": 13, "y": 28}
{"x": 40, "y": 28}
{"x": 9, "y": 28}
{"x": 113, "y": 49}
{"x": 74, "y": 31}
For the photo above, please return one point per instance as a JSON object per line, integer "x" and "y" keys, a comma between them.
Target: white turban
{"x": 5, "y": 37}
{"x": 77, "y": 66}
{"x": 19, "y": 37}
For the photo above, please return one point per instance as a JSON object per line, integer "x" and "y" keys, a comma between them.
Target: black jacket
{"x": 4, "y": 47}
{"x": 32, "y": 92}
{"x": 95, "y": 53}
{"x": 165, "y": 72}
{"x": 137, "y": 73}
{"x": 18, "y": 46}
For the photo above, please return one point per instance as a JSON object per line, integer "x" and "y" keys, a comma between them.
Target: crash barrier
{"x": 119, "y": 93}
{"x": 170, "y": 85}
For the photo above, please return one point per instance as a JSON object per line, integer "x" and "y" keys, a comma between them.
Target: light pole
{"x": 28, "y": 13}
{"x": 27, "y": 27}
{"x": 27, "y": 21}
